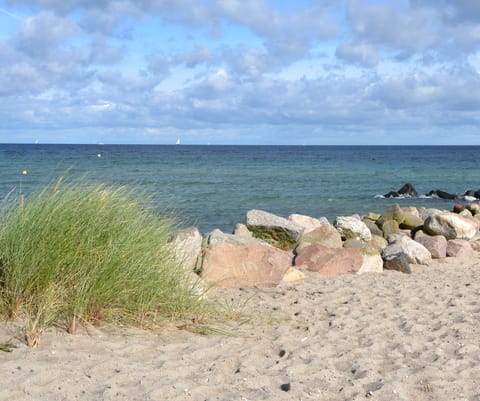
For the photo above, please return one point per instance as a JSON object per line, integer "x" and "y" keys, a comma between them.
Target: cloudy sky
{"x": 240, "y": 71}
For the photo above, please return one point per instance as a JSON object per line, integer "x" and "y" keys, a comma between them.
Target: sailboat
{"x": 178, "y": 142}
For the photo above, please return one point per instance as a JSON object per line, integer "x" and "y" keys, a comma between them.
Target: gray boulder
{"x": 278, "y": 231}
{"x": 451, "y": 226}
{"x": 395, "y": 259}
{"x": 351, "y": 227}
{"x": 187, "y": 246}
{"x": 416, "y": 252}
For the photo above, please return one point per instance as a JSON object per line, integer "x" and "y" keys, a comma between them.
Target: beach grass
{"x": 78, "y": 252}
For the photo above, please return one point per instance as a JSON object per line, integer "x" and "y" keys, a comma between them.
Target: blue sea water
{"x": 214, "y": 186}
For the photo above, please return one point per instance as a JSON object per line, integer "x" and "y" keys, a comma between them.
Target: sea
{"x": 214, "y": 186}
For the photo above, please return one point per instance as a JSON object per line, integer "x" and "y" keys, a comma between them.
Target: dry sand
{"x": 389, "y": 336}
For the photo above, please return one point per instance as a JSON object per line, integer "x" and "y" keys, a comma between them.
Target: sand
{"x": 389, "y": 336}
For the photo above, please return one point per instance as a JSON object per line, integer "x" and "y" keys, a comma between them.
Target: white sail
{"x": 178, "y": 142}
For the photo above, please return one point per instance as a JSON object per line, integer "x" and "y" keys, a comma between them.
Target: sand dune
{"x": 389, "y": 336}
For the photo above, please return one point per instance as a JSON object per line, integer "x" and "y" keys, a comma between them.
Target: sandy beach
{"x": 389, "y": 336}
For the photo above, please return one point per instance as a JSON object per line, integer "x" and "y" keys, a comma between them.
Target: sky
{"x": 256, "y": 72}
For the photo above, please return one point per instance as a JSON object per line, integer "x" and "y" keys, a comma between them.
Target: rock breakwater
{"x": 270, "y": 248}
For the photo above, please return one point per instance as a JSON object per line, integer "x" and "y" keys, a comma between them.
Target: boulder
{"x": 372, "y": 216}
{"x": 436, "y": 245}
{"x": 278, "y": 231}
{"x": 326, "y": 235}
{"x": 374, "y": 229}
{"x": 475, "y": 244}
{"x": 474, "y": 208}
{"x": 466, "y": 213}
{"x": 378, "y": 242}
{"x": 351, "y": 227}
{"x": 451, "y": 226}
{"x": 306, "y": 222}
{"x": 395, "y": 259}
{"x": 227, "y": 265}
{"x": 442, "y": 195}
{"x": 406, "y": 190}
{"x": 372, "y": 263}
{"x": 293, "y": 274}
{"x": 219, "y": 237}
{"x": 329, "y": 261}
{"x": 416, "y": 252}
{"x": 364, "y": 247}
{"x": 187, "y": 245}
{"x": 459, "y": 248}
{"x": 389, "y": 228}
{"x": 425, "y": 213}
{"x": 411, "y": 221}
{"x": 242, "y": 231}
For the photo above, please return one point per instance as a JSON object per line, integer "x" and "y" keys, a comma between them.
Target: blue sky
{"x": 240, "y": 71}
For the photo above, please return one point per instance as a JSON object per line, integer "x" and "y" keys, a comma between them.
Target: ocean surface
{"x": 214, "y": 186}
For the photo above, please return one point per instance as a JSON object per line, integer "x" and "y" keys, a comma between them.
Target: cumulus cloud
{"x": 316, "y": 67}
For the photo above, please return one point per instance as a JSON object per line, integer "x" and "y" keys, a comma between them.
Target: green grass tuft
{"x": 77, "y": 252}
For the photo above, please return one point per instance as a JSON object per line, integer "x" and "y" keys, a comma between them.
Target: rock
{"x": 242, "y": 231}
{"x": 410, "y": 221}
{"x": 442, "y": 195}
{"x": 372, "y": 216}
{"x": 227, "y": 265}
{"x": 372, "y": 263}
{"x": 326, "y": 235}
{"x": 187, "y": 245}
{"x": 390, "y": 227}
{"x": 278, "y": 231}
{"x": 351, "y": 227}
{"x": 436, "y": 245}
{"x": 219, "y": 237}
{"x": 451, "y": 226}
{"x": 306, "y": 222}
{"x": 412, "y": 210}
{"x": 293, "y": 274}
{"x": 466, "y": 213}
{"x": 374, "y": 229}
{"x": 378, "y": 242}
{"x": 365, "y": 247}
{"x": 420, "y": 233}
{"x": 416, "y": 252}
{"x": 475, "y": 244}
{"x": 426, "y": 213}
{"x": 474, "y": 208}
{"x": 459, "y": 248}
{"x": 458, "y": 207}
{"x": 406, "y": 190}
{"x": 329, "y": 261}
{"x": 395, "y": 259}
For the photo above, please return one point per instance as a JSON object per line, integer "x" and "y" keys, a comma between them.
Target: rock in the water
{"x": 278, "y": 231}
{"x": 306, "y": 222}
{"x": 351, "y": 227}
{"x": 406, "y": 190}
{"x": 416, "y": 252}
{"x": 436, "y": 245}
{"x": 329, "y": 261}
{"x": 372, "y": 263}
{"x": 442, "y": 195}
{"x": 293, "y": 274}
{"x": 451, "y": 226}
{"x": 227, "y": 265}
{"x": 326, "y": 235}
{"x": 459, "y": 248}
{"x": 187, "y": 245}
{"x": 395, "y": 259}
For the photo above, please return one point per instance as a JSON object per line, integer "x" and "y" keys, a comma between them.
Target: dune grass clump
{"x": 82, "y": 253}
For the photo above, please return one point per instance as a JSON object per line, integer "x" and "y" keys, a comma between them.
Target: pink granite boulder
{"x": 329, "y": 261}
{"x": 227, "y": 265}
{"x": 436, "y": 245}
{"x": 459, "y": 248}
